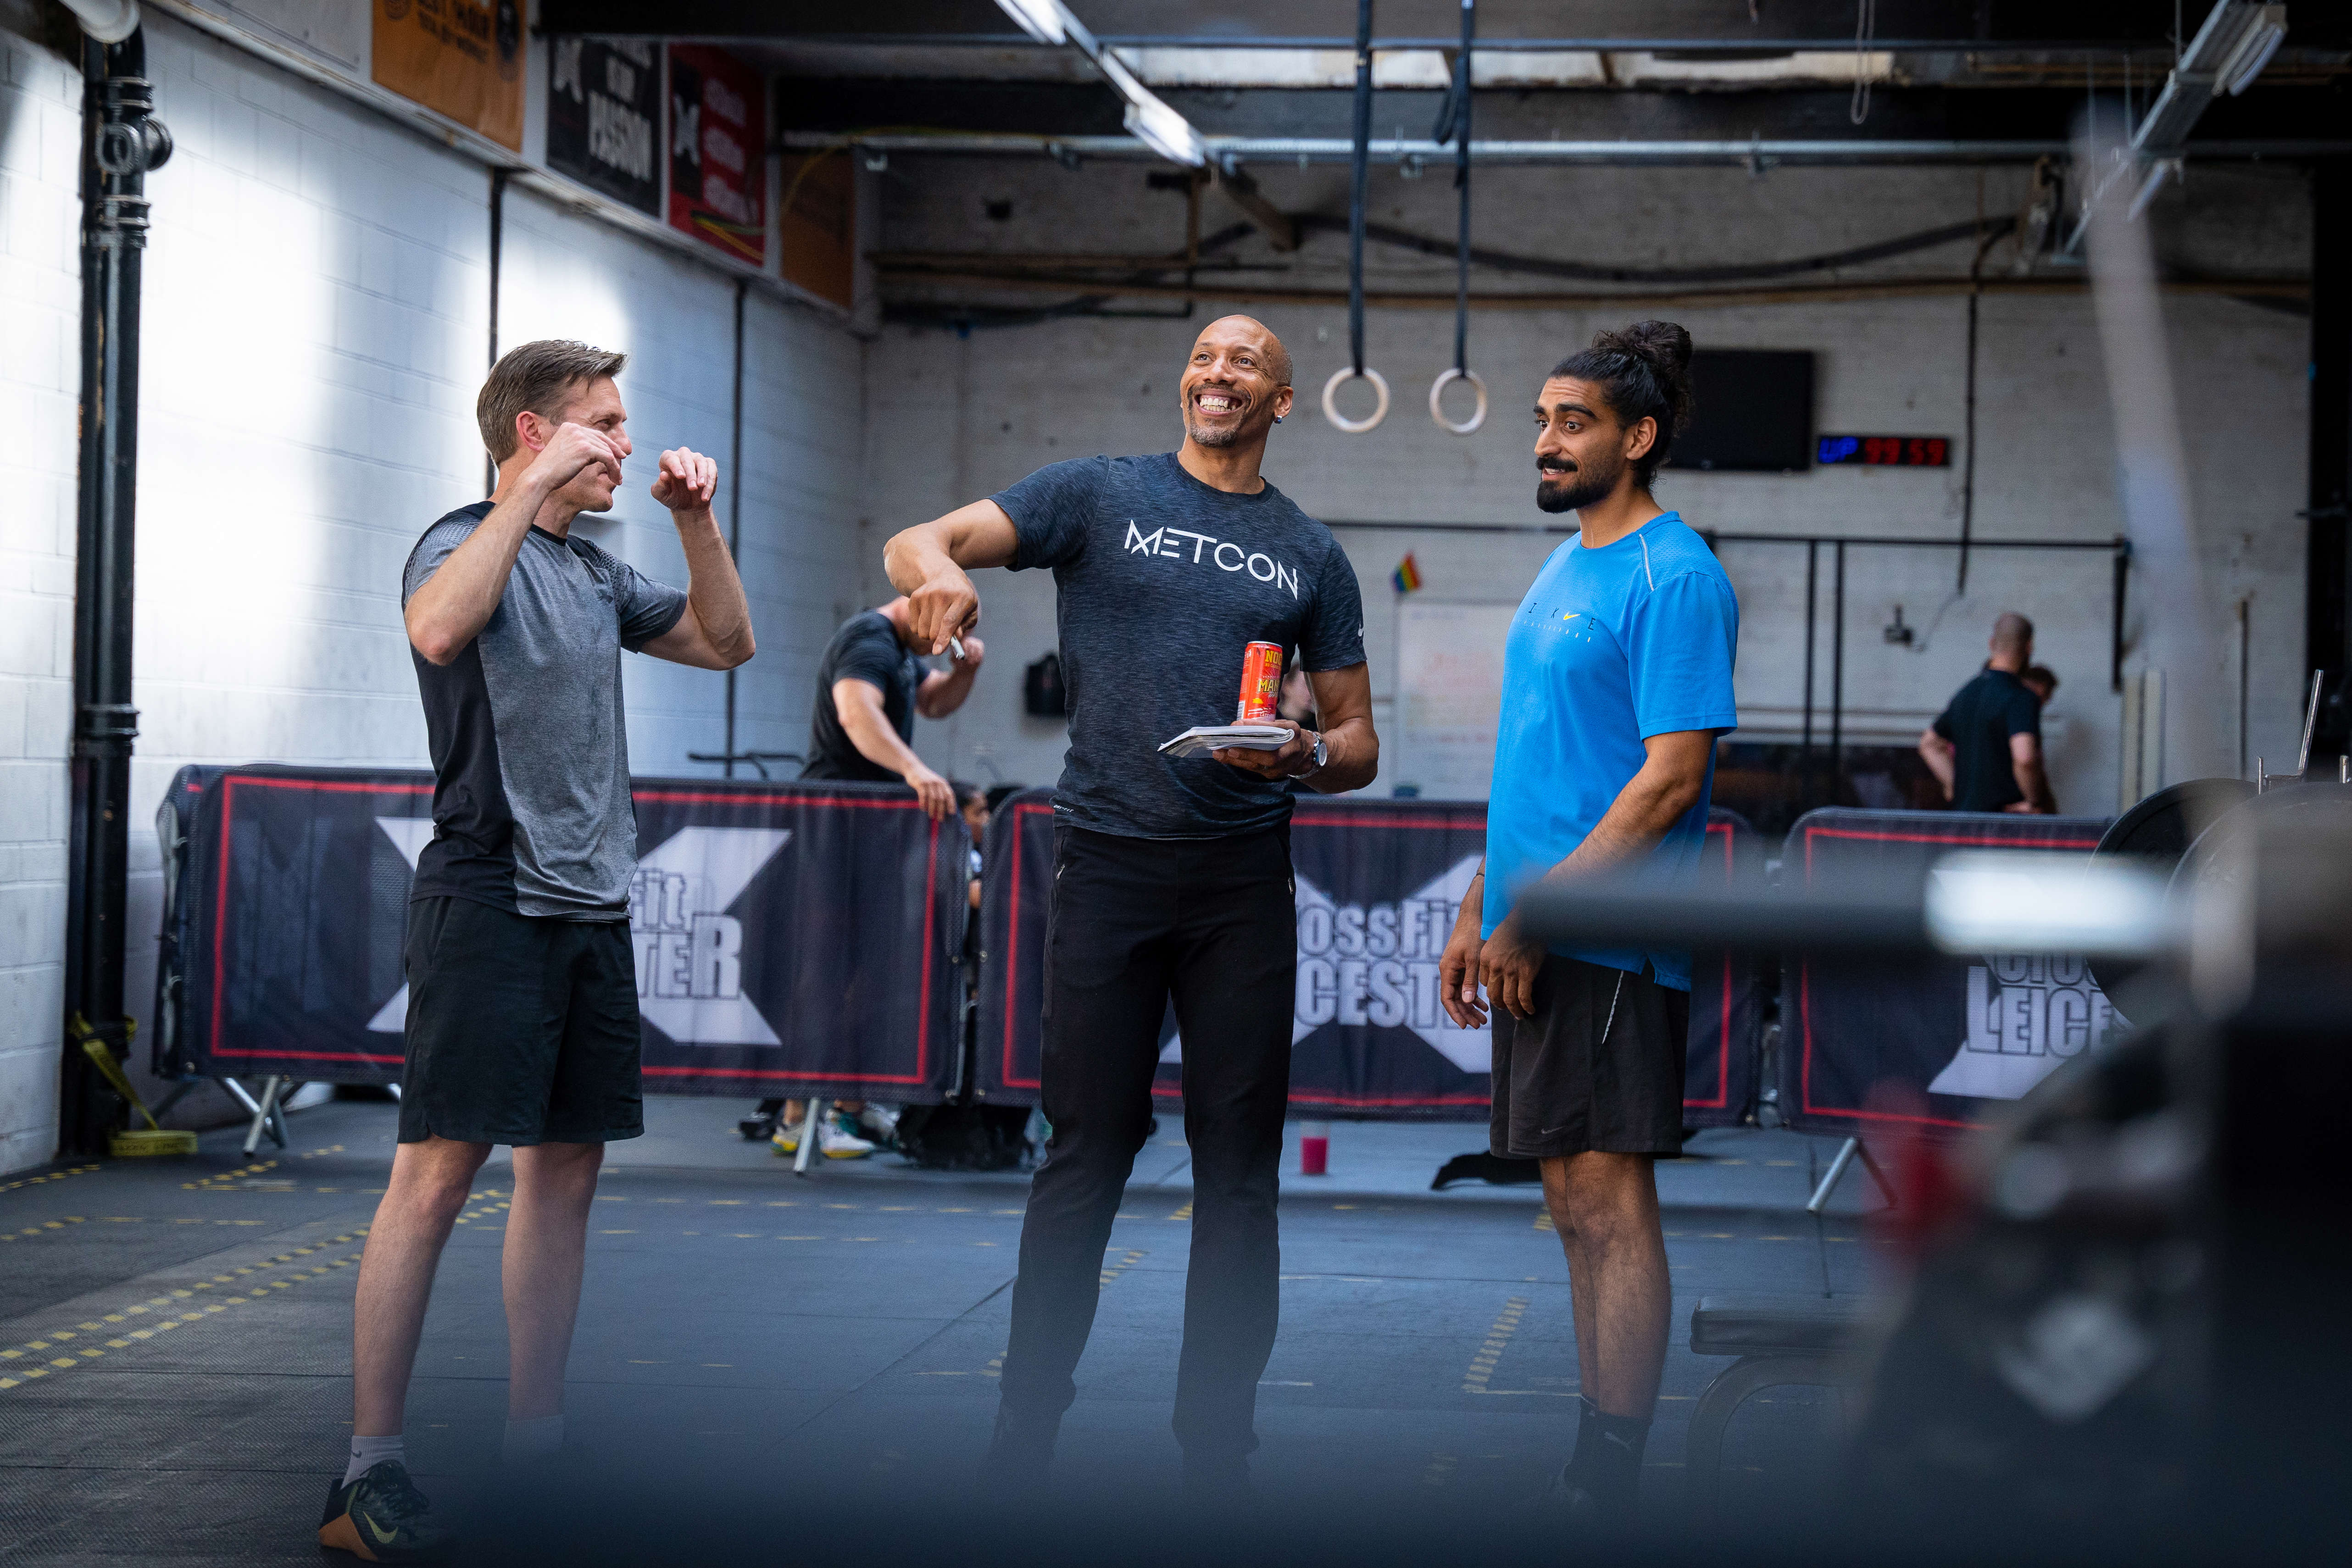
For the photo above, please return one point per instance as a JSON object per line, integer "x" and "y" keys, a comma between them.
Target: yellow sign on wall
{"x": 462, "y": 58}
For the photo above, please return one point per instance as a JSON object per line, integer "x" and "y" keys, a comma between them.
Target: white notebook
{"x": 1240, "y": 737}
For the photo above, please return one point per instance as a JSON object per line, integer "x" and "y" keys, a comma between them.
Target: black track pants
{"x": 1134, "y": 922}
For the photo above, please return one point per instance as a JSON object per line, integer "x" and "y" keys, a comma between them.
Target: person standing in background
{"x": 1985, "y": 748}
{"x": 869, "y": 687}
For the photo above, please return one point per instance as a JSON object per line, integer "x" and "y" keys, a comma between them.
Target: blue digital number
{"x": 1839, "y": 448}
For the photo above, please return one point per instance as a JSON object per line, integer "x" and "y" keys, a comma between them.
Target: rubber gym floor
{"x": 810, "y": 1363}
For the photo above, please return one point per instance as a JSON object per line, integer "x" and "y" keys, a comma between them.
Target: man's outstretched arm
{"x": 928, "y": 562}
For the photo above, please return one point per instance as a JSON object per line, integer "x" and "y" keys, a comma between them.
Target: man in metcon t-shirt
{"x": 1171, "y": 878}
{"x": 522, "y": 1000}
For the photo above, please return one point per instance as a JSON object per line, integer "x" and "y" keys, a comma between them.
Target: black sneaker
{"x": 382, "y": 1518}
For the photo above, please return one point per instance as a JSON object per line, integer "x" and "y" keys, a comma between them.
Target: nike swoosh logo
{"x": 383, "y": 1537}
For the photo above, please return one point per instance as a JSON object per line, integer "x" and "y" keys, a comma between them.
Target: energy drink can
{"x": 1260, "y": 683}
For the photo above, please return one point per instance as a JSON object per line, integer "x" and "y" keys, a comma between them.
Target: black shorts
{"x": 1599, "y": 1067}
{"x": 520, "y": 1030}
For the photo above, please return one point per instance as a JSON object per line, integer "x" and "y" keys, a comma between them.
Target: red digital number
{"x": 1938, "y": 452}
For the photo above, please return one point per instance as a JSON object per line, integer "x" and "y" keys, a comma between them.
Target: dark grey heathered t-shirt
{"x": 1163, "y": 583}
{"x": 531, "y": 810}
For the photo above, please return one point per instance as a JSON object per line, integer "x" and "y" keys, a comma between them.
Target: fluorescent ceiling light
{"x": 1151, "y": 122}
{"x": 2254, "y": 50}
{"x": 1044, "y": 20}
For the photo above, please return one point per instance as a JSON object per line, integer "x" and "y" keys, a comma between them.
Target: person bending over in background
{"x": 2042, "y": 681}
{"x": 522, "y": 994}
{"x": 1171, "y": 877}
{"x": 1985, "y": 748}
{"x": 1616, "y": 681}
{"x": 869, "y": 687}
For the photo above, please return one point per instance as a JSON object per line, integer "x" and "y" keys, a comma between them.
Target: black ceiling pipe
{"x": 121, "y": 142}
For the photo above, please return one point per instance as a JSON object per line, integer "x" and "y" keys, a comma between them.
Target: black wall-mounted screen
{"x": 1755, "y": 412}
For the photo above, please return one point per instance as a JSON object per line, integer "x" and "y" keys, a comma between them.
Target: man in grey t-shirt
{"x": 1171, "y": 877}
{"x": 522, "y": 1012}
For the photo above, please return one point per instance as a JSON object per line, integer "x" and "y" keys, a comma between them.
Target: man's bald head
{"x": 1236, "y": 385}
{"x": 1278, "y": 358}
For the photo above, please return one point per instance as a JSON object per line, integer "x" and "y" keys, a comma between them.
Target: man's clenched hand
{"x": 688, "y": 481}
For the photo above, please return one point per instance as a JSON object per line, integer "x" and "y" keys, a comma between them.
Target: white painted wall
{"x": 316, "y": 328}
{"x": 41, "y": 380}
{"x": 951, "y": 417}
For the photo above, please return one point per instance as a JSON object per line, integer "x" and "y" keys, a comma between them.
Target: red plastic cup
{"x": 1313, "y": 1148}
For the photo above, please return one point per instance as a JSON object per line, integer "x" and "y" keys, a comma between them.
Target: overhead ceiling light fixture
{"x": 1044, "y": 20}
{"x": 2254, "y": 50}
{"x": 1149, "y": 120}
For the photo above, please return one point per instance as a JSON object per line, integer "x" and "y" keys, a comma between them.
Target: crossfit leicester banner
{"x": 789, "y": 938}
{"x": 1928, "y": 1042}
{"x": 1377, "y": 886}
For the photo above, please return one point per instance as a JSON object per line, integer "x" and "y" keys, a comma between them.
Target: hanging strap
{"x": 1362, "y": 185}
{"x": 1458, "y": 122}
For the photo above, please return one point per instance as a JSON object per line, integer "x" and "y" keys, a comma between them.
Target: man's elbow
{"x": 434, "y": 644}
{"x": 739, "y": 652}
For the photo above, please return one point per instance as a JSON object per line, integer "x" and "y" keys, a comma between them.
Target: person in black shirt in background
{"x": 1985, "y": 747}
{"x": 869, "y": 687}
{"x": 1171, "y": 877}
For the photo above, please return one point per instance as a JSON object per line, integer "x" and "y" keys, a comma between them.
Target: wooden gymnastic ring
{"x": 1332, "y": 409}
{"x": 1437, "y": 410}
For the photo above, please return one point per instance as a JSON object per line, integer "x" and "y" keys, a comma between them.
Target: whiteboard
{"x": 1449, "y": 692}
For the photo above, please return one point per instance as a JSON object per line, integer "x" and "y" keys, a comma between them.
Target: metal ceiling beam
{"x": 1700, "y": 26}
{"x": 1244, "y": 149}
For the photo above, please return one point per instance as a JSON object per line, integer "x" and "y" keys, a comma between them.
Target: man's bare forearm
{"x": 1637, "y": 822}
{"x": 462, "y": 595}
{"x": 1355, "y": 751}
{"x": 714, "y": 587}
{"x": 869, "y": 731}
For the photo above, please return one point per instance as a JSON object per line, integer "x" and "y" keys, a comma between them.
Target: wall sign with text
{"x": 1885, "y": 451}
{"x": 462, "y": 58}
{"x": 718, "y": 151}
{"x": 603, "y": 117}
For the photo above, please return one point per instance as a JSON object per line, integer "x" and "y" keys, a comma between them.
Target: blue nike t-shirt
{"x": 1608, "y": 647}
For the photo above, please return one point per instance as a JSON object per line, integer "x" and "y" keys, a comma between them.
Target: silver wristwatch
{"x": 1322, "y": 759}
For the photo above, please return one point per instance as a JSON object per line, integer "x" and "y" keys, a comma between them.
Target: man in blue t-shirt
{"x": 1616, "y": 681}
{"x": 1172, "y": 875}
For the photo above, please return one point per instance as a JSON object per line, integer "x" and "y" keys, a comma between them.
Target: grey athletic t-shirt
{"x": 531, "y": 810}
{"x": 1163, "y": 583}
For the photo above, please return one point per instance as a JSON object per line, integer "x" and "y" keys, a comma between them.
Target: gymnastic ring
{"x": 1437, "y": 410}
{"x": 1332, "y": 410}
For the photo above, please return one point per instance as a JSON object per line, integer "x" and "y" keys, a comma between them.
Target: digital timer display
{"x": 1886, "y": 451}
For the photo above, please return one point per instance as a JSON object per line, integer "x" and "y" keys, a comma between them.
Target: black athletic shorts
{"x": 521, "y": 1030}
{"x": 1599, "y": 1067}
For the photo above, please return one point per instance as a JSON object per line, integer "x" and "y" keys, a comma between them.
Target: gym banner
{"x": 1379, "y": 883}
{"x": 1928, "y": 1042}
{"x": 462, "y": 58}
{"x": 603, "y": 116}
{"x": 718, "y": 151}
{"x": 790, "y": 938}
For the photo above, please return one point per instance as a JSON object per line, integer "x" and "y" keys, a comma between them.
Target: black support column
{"x": 121, "y": 142}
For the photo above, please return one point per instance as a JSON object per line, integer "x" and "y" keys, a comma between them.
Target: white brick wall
{"x": 40, "y": 370}
{"x": 315, "y": 329}
{"x": 952, "y": 418}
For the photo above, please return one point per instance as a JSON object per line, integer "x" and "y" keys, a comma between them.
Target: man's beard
{"x": 1576, "y": 490}
{"x": 1218, "y": 436}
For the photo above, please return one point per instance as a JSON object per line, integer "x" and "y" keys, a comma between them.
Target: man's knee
{"x": 1606, "y": 1196}
{"x": 558, "y": 1170}
{"x": 434, "y": 1177}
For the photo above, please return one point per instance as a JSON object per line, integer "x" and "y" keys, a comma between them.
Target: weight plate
{"x": 2158, "y": 831}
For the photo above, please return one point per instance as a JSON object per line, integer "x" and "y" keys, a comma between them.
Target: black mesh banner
{"x": 1929, "y": 1043}
{"x": 1379, "y": 884}
{"x": 790, "y": 938}
{"x": 1720, "y": 1077}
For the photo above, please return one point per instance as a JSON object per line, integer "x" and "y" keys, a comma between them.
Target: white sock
{"x": 533, "y": 1439}
{"x": 369, "y": 1452}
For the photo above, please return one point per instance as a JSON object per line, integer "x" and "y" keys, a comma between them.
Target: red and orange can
{"x": 1260, "y": 683}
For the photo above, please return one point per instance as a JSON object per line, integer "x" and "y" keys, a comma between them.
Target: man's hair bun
{"x": 1646, "y": 371}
